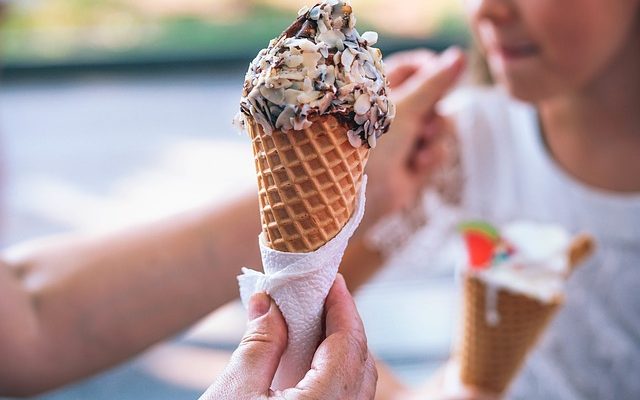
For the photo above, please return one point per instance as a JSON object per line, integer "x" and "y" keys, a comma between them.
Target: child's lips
{"x": 507, "y": 46}
{"x": 516, "y": 51}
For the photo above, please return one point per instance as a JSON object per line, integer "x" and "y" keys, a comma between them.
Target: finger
{"x": 413, "y": 57}
{"x": 369, "y": 381}
{"x": 400, "y": 66}
{"x": 399, "y": 74}
{"x": 433, "y": 127}
{"x": 339, "y": 364}
{"x": 428, "y": 85}
{"x": 340, "y": 310}
{"x": 426, "y": 139}
{"x": 337, "y": 369}
{"x": 254, "y": 363}
{"x": 427, "y": 161}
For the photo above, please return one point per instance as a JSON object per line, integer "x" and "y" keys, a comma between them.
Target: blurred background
{"x": 116, "y": 112}
{"x": 62, "y": 34}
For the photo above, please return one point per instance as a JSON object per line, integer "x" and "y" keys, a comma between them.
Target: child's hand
{"x": 445, "y": 384}
{"x": 407, "y": 156}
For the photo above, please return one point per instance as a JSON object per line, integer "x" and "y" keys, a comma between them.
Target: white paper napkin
{"x": 299, "y": 284}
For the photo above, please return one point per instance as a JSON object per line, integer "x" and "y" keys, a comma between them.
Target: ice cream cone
{"x": 308, "y": 183}
{"x": 313, "y": 103}
{"x": 491, "y": 355}
{"x": 492, "y": 352}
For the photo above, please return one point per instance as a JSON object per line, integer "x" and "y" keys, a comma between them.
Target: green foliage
{"x": 85, "y": 30}
{"x": 62, "y": 31}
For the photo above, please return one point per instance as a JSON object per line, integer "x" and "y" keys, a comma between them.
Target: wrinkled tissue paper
{"x": 299, "y": 284}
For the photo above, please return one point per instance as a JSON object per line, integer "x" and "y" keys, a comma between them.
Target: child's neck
{"x": 595, "y": 134}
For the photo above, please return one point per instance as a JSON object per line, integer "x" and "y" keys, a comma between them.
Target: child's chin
{"x": 527, "y": 90}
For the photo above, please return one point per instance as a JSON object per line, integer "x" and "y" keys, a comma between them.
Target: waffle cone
{"x": 308, "y": 183}
{"x": 491, "y": 355}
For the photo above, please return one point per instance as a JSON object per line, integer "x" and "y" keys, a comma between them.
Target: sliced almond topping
{"x": 347, "y": 59}
{"x": 362, "y": 104}
{"x": 293, "y": 61}
{"x": 320, "y": 65}
{"x": 370, "y": 38}
{"x": 354, "y": 139}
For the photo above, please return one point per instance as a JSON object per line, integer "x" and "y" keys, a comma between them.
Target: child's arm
{"x": 406, "y": 158}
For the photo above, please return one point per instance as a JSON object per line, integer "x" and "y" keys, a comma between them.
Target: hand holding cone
{"x": 314, "y": 103}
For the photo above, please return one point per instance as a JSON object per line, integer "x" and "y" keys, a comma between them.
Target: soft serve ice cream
{"x": 526, "y": 257}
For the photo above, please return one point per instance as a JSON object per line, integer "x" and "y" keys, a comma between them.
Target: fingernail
{"x": 259, "y": 305}
{"x": 340, "y": 281}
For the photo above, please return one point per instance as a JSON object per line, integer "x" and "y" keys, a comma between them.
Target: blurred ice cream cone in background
{"x": 512, "y": 289}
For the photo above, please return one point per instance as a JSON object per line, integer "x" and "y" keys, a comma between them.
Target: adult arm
{"x": 72, "y": 306}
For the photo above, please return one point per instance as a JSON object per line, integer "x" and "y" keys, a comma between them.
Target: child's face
{"x": 543, "y": 48}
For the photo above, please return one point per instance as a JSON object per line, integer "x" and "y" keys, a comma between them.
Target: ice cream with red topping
{"x": 524, "y": 257}
{"x": 513, "y": 284}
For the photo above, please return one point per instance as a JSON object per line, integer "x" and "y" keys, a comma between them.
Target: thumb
{"x": 428, "y": 85}
{"x": 254, "y": 363}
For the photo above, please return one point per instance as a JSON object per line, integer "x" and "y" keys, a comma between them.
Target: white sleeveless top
{"x": 592, "y": 348}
